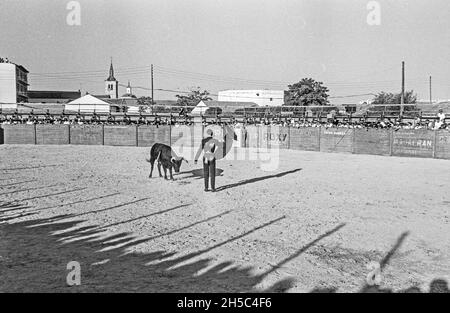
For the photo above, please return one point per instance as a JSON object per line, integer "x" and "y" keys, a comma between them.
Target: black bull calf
{"x": 165, "y": 157}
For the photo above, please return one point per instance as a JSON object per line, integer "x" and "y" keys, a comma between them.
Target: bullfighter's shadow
{"x": 257, "y": 179}
{"x": 198, "y": 173}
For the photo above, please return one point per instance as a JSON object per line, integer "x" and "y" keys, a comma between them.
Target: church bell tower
{"x": 111, "y": 84}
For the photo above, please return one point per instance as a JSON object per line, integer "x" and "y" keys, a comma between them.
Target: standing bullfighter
{"x": 209, "y": 146}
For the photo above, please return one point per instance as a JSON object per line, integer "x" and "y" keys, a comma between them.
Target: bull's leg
{"x": 165, "y": 172}
{"x": 159, "y": 169}
{"x": 152, "y": 163}
{"x": 170, "y": 172}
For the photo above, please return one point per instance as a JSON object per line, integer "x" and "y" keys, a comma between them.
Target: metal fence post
{"x": 391, "y": 141}
{"x": 137, "y": 137}
{"x": 68, "y": 131}
{"x": 320, "y": 136}
{"x": 35, "y": 134}
{"x": 289, "y": 137}
{"x": 103, "y": 134}
{"x": 353, "y": 140}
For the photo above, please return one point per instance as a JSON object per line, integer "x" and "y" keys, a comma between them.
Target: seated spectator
{"x": 441, "y": 116}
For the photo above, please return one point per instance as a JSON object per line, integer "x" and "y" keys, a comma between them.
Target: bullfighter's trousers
{"x": 209, "y": 169}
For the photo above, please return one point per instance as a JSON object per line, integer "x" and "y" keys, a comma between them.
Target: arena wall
{"x": 409, "y": 143}
{"x": 372, "y": 141}
{"x": 86, "y": 134}
{"x": 252, "y": 138}
{"x": 413, "y": 143}
{"x": 120, "y": 135}
{"x": 336, "y": 140}
{"x": 263, "y": 136}
{"x": 19, "y": 134}
{"x": 275, "y": 137}
{"x": 52, "y": 134}
{"x": 148, "y": 135}
{"x": 442, "y": 150}
{"x": 305, "y": 139}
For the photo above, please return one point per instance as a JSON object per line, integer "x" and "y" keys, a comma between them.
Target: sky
{"x": 231, "y": 44}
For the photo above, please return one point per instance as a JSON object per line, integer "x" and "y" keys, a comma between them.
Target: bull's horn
{"x": 185, "y": 160}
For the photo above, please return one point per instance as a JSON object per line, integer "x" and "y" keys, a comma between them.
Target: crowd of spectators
{"x": 93, "y": 119}
{"x": 439, "y": 122}
{"x": 380, "y": 123}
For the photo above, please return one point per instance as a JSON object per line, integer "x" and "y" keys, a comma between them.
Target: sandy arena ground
{"x": 313, "y": 224}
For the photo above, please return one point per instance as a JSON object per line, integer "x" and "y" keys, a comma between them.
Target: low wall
{"x": 86, "y": 135}
{"x": 305, "y": 139}
{"x": 275, "y": 137}
{"x": 409, "y": 143}
{"x": 52, "y": 134}
{"x": 442, "y": 150}
{"x": 120, "y": 135}
{"x": 336, "y": 140}
{"x": 19, "y": 134}
{"x": 252, "y": 138}
{"x": 372, "y": 141}
{"x": 413, "y": 143}
{"x": 149, "y": 135}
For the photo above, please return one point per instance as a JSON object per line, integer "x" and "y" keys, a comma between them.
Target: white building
{"x": 13, "y": 85}
{"x": 260, "y": 97}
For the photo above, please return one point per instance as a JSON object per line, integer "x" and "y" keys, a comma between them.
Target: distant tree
{"x": 391, "y": 98}
{"x": 307, "y": 92}
{"x": 193, "y": 97}
{"x": 144, "y": 104}
{"x": 144, "y": 101}
{"x": 383, "y": 98}
{"x": 409, "y": 98}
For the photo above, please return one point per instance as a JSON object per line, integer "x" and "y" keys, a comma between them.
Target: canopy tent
{"x": 89, "y": 104}
{"x": 199, "y": 109}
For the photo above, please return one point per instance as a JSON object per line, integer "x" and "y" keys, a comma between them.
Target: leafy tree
{"x": 194, "y": 97}
{"x": 383, "y": 98}
{"x": 307, "y": 92}
{"x": 391, "y": 98}
{"x": 144, "y": 104}
{"x": 144, "y": 101}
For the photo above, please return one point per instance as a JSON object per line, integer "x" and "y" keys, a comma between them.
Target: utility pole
{"x": 431, "y": 98}
{"x": 152, "y": 86}
{"x": 402, "y": 99}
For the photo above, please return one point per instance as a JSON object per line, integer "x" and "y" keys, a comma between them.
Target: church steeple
{"x": 111, "y": 77}
{"x": 111, "y": 84}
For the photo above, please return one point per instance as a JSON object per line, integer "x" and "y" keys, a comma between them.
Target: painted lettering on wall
{"x": 275, "y": 137}
{"x": 413, "y": 143}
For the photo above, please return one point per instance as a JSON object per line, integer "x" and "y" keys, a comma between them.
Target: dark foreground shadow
{"x": 436, "y": 286}
{"x": 257, "y": 179}
{"x": 35, "y": 258}
{"x": 35, "y": 254}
